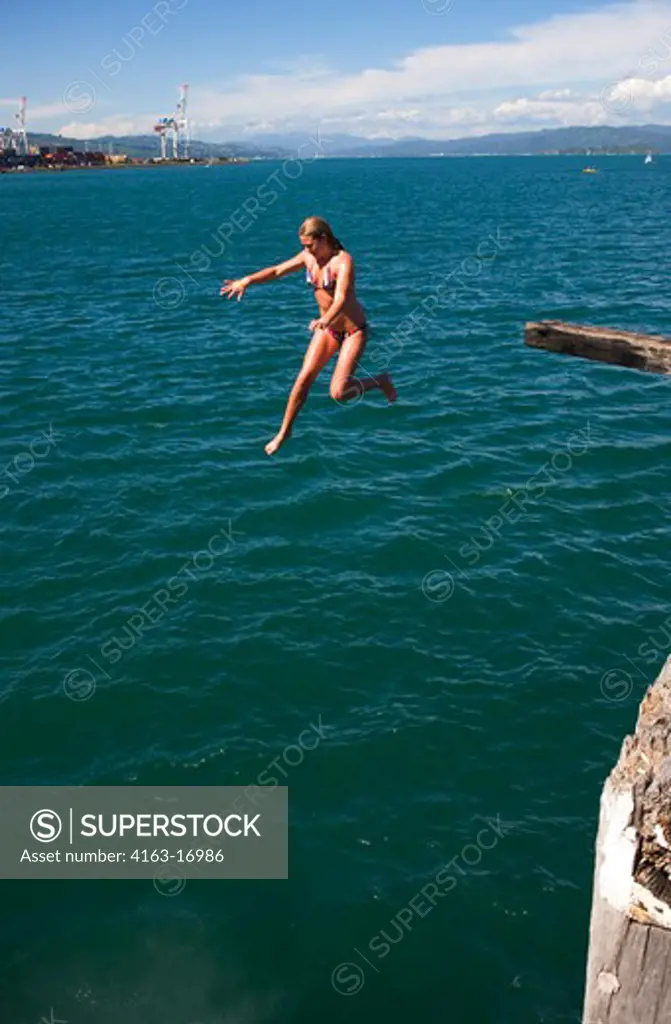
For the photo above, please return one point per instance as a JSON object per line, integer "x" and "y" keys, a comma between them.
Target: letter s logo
{"x": 45, "y": 826}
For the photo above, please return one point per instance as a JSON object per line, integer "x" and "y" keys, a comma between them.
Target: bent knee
{"x": 345, "y": 391}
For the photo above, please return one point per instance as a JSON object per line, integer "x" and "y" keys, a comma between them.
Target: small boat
{"x": 648, "y": 159}
{"x": 589, "y": 170}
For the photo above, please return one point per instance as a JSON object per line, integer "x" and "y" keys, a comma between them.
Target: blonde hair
{"x": 317, "y": 227}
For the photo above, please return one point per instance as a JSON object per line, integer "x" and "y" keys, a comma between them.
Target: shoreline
{"x": 226, "y": 161}
{"x": 50, "y": 169}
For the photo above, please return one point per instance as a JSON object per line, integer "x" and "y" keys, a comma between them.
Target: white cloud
{"x": 621, "y": 102}
{"x": 643, "y": 92}
{"x": 555, "y": 113}
{"x": 110, "y": 126}
{"x": 398, "y": 115}
{"x": 556, "y": 94}
{"x": 552, "y": 71}
{"x": 47, "y": 110}
{"x": 38, "y": 112}
{"x": 596, "y": 46}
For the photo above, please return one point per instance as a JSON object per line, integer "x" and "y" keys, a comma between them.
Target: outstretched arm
{"x": 232, "y": 288}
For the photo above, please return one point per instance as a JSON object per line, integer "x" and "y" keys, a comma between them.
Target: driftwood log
{"x": 629, "y": 960}
{"x": 651, "y": 352}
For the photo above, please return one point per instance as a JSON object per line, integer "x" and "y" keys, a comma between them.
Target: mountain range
{"x": 584, "y": 140}
{"x": 633, "y": 138}
{"x": 147, "y": 146}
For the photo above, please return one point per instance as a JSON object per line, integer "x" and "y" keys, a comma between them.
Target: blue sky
{"x": 439, "y": 68}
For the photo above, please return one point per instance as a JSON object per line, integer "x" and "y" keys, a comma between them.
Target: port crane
{"x": 176, "y": 127}
{"x": 15, "y": 138}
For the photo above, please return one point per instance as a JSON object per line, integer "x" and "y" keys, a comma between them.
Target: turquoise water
{"x": 463, "y": 595}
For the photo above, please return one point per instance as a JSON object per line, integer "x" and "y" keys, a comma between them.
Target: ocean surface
{"x": 433, "y": 621}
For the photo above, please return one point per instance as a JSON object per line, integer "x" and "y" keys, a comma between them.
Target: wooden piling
{"x": 650, "y": 352}
{"x": 629, "y": 960}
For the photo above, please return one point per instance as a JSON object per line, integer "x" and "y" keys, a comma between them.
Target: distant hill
{"x": 583, "y": 140}
{"x": 633, "y": 138}
{"x": 627, "y": 139}
{"x": 333, "y": 143}
{"x": 147, "y": 146}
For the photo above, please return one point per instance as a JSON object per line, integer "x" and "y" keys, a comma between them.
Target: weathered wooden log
{"x": 629, "y": 960}
{"x": 651, "y": 352}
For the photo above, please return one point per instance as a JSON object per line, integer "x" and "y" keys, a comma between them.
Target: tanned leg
{"x": 321, "y": 348}
{"x": 345, "y": 385}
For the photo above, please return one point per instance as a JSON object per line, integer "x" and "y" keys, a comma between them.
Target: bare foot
{"x": 277, "y": 442}
{"x": 388, "y": 387}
